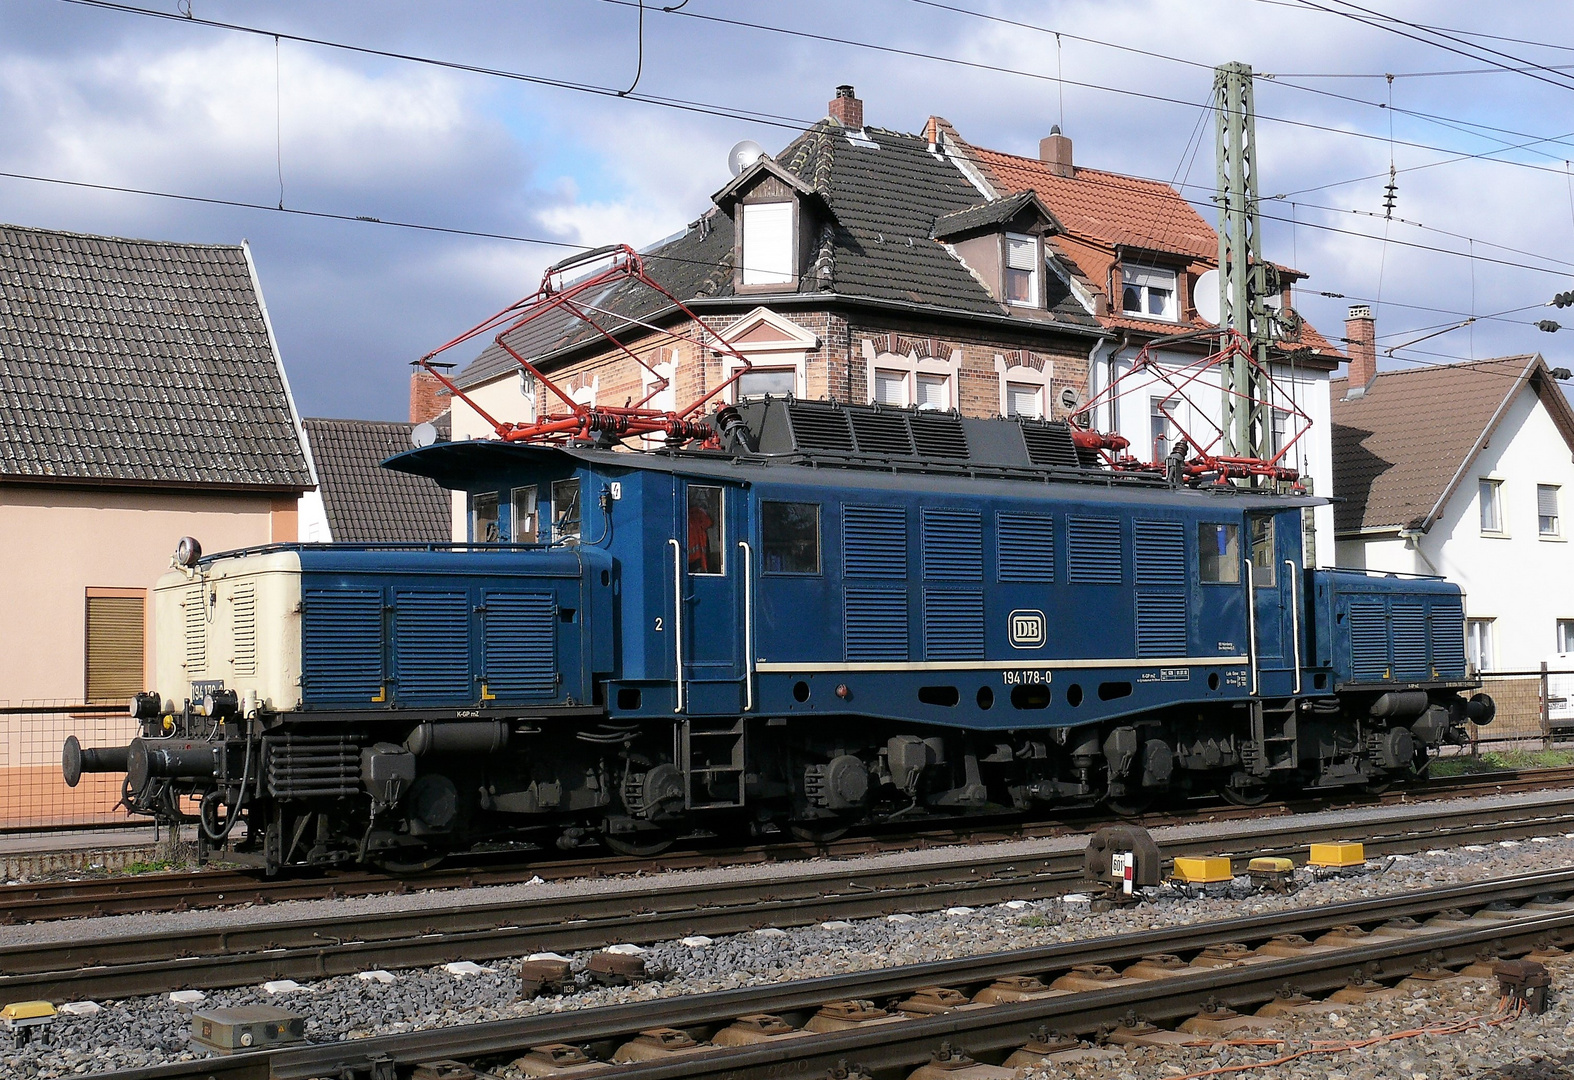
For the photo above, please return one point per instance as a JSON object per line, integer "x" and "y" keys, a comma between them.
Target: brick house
{"x": 860, "y": 264}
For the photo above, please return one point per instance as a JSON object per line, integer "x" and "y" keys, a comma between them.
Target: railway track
{"x": 127, "y": 894}
{"x": 892, "y": 1020}
{"x": 236, "y": 955}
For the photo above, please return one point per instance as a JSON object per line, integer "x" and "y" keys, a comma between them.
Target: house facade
{"x": 1139, "y": 250}
{"x": 860, "y": 264}
{"x": 142, "y": 399}
{"x": 1465, "y": 470}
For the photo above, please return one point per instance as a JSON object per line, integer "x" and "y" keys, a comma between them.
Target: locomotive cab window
{"x": 790, "y": 537}
{"x": 565, "y": 510}
{"x": 483, "y": 517}
{"x": 1263, "y": 561}
{"x": 1219, "y": 552}
{"x": 705, "y": 529}
{"x": 522, "y": 513}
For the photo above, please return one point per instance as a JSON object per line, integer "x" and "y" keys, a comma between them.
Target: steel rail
{"x": 183, "y": 891}
{"x": 326, "y": 946}
{"x": 1163, "y": 998}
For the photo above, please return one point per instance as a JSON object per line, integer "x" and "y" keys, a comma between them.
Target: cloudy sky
{"x": 100, "y": 94}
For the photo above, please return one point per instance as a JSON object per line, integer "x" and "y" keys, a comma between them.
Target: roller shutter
{"x": 116, "y": 648}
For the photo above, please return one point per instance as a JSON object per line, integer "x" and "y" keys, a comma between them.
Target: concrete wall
{"x": 59, "y": 542}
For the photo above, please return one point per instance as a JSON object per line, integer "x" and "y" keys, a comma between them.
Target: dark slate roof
{"x": 367, "y": 504}
{"x": 884, "y": 191}
{"x": 995, "y": 212}
{"x": 1401, "y": 448}
{"x": 139, "y": 362}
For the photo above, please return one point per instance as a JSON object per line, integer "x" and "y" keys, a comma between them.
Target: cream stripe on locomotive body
{"x": 846, "y": 615}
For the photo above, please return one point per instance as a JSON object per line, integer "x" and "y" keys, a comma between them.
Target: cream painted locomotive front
{"x": 234, "y": 622}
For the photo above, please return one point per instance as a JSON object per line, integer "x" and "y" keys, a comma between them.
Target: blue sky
{"x": 109, "y": 97}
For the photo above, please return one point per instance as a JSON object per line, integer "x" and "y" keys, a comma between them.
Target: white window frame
{"x": 1035, "y": 272}
{"x": 1484, "y": 485}
{"x": 909, "y": 368}
{"x": 1171, "y": 428}
{"x": 783, "y": 345}
{"x": 1565, "y": 635}
{"x": 1480, "y": 645}
{"x": 1022, "y": 375}
{"x": 764, "y": 269}
{"x": 1555, "y": 531}
{"x": 1142, "y": 278}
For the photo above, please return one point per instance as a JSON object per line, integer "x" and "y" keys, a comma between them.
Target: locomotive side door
{"x": 708, "y": 614}
{"x": 1272, "y": 588}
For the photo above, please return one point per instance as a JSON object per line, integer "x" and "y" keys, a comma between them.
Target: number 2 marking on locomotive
{"x": 658, "y": 624}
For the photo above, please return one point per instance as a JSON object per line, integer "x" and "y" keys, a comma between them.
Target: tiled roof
{"x": 367, "y": 504}
{"x": 884, "y": 190}
{"x": 139, "y": 362}
{"x": 1100, "y": 211}
{"x": 1397, "y": 448}
{"x": 993, "y": 212}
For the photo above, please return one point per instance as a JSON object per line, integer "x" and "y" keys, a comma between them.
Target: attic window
{"x": 767, "y": 243}
{"x": 1022, "y": 265}
{"x": 1148, "y": 292}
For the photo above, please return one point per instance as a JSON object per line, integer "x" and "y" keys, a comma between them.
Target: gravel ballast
{"x": 146, "y": 1031}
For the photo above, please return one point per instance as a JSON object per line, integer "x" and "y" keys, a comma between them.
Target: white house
{"x": 1464, "y": 470}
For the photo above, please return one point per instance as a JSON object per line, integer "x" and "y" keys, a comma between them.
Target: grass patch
{"x": 1497, "y": 760}
{"x": 147, "y": 867}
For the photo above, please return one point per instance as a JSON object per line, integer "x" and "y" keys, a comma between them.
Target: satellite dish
{"x": 423, "y": 435}
{"x": 1205, "y": 297}
{"x": 743, "y": 155}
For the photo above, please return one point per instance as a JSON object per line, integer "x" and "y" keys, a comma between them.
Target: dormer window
{"x": 1022, "y": 269}
{"x": 1148, "y": 293}
{"x": 767, "y": 250}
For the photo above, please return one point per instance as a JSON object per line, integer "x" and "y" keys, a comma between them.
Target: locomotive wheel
{"x": 1250, "y": 794}
{"x": 393, "y": 865}
{"x": 635, "y": 845}
{"x": 1129, "y": 805}
{"x": 814, "y": 832}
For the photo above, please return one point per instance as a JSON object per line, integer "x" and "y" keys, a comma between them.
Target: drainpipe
{"x": 1109, "y": 371}
{"x": 1412, "y": 539}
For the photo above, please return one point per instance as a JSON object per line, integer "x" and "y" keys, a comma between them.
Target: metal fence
{"x": 33, "y": 797}
{"x": 1531, "y": 705}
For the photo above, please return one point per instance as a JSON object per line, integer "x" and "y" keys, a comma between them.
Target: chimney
{"x": 1360, "y": 335}
{"x": 1056, "y": 152}
{"x": 429, "y": 398}
{"x": 847, "y": 108}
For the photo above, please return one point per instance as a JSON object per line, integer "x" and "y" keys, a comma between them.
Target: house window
{"x": 522, "y": 515}
{"x": 1547, "y": 523}
{"x": 890, "y": 387}
{"x": 483, "y": 517}
{"x": 1279, "y": 431}
{"x": 115, "y": 654}
{"x": 1023, "y": 399}
{"x": 705, "y": 546}
{"x": 1491, "y": 492}
{"x": 762, "y": 382}
{"x": 565, "y": 510}
{"x": 767, "y": 243}
{"x": 1219, "y": 552}
{"x": 1160, "y": 427}
{"x": 1478, "y": 644}
{"x": 1566, "y": 635}
{"x": 790, "y": 537}
{"x": 1022, "y": 264}
{"x": 934, "y": 392}
{"x": 1148, "y": 293}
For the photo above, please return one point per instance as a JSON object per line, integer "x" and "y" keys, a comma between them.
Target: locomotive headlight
{"x": 187, "y": 552}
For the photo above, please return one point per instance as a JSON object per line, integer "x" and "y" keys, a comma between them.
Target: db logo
{"x": 1028, "y": 629}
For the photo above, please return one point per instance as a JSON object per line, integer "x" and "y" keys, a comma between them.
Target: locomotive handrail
{"x": 1251, "y": 623}
{"x": 1295, "y": 620}
{"x": 677, "y": 618}
{"x": 748, "y": 626}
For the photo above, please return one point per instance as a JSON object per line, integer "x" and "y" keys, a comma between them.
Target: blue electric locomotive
{"x": 844, "y": 615}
